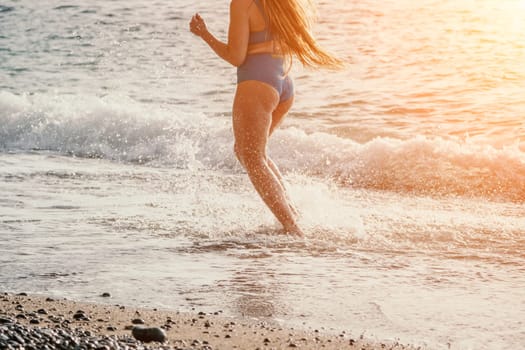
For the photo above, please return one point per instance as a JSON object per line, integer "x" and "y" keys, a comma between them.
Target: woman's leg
{"x": 279, "y": 113}
{"x": 279, "y": 177}
{"x": 252, "y": 119}
{"x": 277, "y": 117}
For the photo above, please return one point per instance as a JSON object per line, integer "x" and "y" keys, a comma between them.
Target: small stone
{"x": 55, "y": 319}
{"x": 81, "y": 316}
{"x": 21, "y": 316}
{"x": 50, "y": 299}
{"x": 34, "y": 321}
{"x": 138, "y": 321}
{"x": 5, "y": 320}
{"x": 106, "y": 295}
{"x": 149, "y": 334}
{"x": 42, "y": 311}
{"x": 18, "y": 339}
{"x": 23, "y": 294}
{"x": 111, "y": 328}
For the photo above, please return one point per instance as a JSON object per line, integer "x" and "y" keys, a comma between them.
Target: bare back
{"x": 256, "y": 19}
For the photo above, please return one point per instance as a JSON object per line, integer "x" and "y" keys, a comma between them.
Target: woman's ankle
{"x": 294, "y": 230}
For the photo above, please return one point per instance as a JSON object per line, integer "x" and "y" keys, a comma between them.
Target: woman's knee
{"x": 248, "y": 156}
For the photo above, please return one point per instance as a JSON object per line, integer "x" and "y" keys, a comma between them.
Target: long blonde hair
{"x": 290, "y": 22}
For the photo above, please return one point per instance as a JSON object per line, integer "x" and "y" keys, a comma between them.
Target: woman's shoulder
{"x": 241, "y": 4}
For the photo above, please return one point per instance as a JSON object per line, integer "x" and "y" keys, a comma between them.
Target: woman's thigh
{"x": 279, "y": 113}
{"x": 253, "y": 107}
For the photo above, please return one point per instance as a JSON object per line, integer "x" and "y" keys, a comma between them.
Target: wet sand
{"x": 183, "y": 330}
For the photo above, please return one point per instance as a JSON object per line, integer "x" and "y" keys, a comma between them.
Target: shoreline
{"x": 197, "y": 330}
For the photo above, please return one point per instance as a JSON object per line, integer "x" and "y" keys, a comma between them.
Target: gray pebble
{"x": 138, "y": 321}
{"x": 80, "y": 316}
{"x": 149, "y": 334}
{"x": 5, "y": 320}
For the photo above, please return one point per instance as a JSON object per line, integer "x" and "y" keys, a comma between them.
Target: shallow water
{"x": 117, "y": 172}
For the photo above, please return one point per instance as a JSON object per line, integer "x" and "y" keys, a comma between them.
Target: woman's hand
{"x": 197, "y": 25}
{"x": 234, "y": 50}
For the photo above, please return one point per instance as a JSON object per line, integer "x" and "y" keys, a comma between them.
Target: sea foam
{"x": 120, "y": 129}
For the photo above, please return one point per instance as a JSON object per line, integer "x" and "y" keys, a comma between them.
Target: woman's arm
{"x": 235, "y": 50}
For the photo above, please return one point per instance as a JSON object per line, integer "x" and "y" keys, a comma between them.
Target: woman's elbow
{"x": 237, "y": 61}
{"x": 236, "y": 58}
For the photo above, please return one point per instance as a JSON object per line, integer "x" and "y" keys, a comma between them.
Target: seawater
{"x": 117, "y": 171}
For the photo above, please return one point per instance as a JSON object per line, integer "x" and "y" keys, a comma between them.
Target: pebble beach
{"x": 38, "y": 322}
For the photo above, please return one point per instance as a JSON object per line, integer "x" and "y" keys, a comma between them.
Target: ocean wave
{"x": 121, "y": 129}
{"x": 419, "y": 165}
{"x": 114, "y": 128}
{"x": 66, "y": 7}
{"x": 4, "y": 8}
